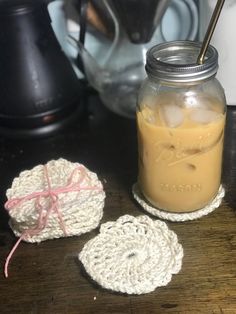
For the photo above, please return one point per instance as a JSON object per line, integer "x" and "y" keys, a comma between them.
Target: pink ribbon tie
{"x": 43, "y": 217}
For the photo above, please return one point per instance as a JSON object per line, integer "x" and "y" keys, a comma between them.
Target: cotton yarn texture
{"x": 133, "y": 255}
{"x": 78, "y": 207}
{"x": 161, "y": 213}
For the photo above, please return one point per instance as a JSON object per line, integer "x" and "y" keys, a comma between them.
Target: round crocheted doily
{"x": 133, "y": 255}
{"x": 161, "y": 213}
{"x": 78, "y": 194}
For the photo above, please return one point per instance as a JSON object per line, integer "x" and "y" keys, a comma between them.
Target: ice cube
{"x": 151, "y": 119}
{"x": 172, "y": 115}
{"x": 149, "y": 115}
{"x": 204, "y": 116}
{"x": 205, "y": 103}
{"x": 191, "y": 100}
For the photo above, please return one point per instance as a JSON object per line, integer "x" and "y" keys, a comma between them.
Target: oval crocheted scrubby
{"x": 55, "y": 200}
{"x": 133, "y": 255}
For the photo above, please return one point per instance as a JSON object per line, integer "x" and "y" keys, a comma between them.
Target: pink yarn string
{"x": 53, "y": 194}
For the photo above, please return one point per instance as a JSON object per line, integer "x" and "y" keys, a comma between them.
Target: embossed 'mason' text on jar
{"x": 180, "y": 118}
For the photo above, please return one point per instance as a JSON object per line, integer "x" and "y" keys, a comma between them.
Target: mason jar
{"x": 181, "y": 116}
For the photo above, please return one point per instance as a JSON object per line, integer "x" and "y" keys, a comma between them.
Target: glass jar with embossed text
{"x": 181, "y": 117}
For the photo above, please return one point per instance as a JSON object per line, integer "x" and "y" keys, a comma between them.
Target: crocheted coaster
{"x": 161, "y": 213}
{"x": 55, "y": 200}
{"x": 133, "y": 255}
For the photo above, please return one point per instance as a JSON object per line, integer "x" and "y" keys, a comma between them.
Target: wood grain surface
{"x": 47, "y": 278}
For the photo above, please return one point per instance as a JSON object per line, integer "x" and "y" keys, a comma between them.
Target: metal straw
{"x": 210, "y": 31}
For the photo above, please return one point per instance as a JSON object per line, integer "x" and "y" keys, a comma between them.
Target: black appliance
{"x": 39, "y": 91}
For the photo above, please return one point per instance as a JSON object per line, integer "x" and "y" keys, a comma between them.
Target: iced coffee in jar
{"x": 180, "y": 119}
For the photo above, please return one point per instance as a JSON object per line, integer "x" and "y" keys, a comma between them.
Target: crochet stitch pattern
{"x": 133, "y": 255}
{"x": 161, "y": 213}
{"x": 54, "y": 200}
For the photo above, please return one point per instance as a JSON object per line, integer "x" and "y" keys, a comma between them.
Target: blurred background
{"x": 117, "y": 37}
{"x": 51, "y": 49}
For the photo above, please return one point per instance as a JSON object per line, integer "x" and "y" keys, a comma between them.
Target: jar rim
{"x": 176, "y": 61}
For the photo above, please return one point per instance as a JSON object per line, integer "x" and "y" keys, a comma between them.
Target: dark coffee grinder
{"x": 39, "y": 91}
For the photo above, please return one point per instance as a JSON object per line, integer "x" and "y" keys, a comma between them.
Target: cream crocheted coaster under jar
{"x": 163, "y": 214}
{"x": 133, "y": 255}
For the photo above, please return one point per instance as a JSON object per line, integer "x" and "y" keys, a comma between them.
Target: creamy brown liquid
{"x": 180, "y": 167}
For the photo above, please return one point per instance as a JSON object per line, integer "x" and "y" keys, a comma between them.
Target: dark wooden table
{"x": 47, "y": 278}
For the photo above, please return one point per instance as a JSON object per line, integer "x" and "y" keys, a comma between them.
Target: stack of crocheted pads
{"x": 133, "y": 255}
{"x": 55, "y": 200}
